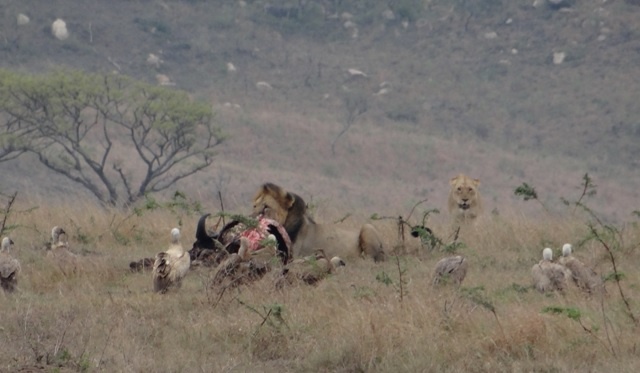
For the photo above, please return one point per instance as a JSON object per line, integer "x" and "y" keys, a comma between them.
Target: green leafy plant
{"x": 611, "y": 240}
{"x": 588, "y": 189}
{"x": 384, "y": 278}
{"x": 418, "y": 230}
{"x": 271, "y": 315}
{"x": 400, "y": 284}
{"x": 528, "y": 192}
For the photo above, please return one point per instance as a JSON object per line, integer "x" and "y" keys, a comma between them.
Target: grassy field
{"x": 384, "y": 317}
{"x": 472, "y": 88}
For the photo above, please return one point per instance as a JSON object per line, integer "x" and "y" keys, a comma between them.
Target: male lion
{"x": 464, "y": 199}
{"x": 290, "y": 210}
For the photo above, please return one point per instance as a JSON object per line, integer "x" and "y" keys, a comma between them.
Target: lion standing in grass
{"x": 290, "y": 210}
{"x": 465, "y": 203}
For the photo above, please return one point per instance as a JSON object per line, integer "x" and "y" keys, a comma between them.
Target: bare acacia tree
{"x": 116, "y": 137}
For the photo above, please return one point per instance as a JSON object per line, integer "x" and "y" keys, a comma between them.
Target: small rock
{"x": 59, "y": 29}
{"x": 349, "y": 24}
{"x": 558, "y": 57}
{"x": 514, "y": 51}
{"x": 381, "y": 92}
{"x": 164, "y": 80}
{"x": 263, "y": 86}
{"x": 388, "y": 15}
{"x": 231, "y": 68}
{"x": 490, "y": 35}
{"x": 22, "y": 19}
{"x": 538, "y": 3}
{"x": 356, "y": 73}
{"x": 153, "y": 60}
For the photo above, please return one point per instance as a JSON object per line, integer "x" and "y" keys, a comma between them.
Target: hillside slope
{"x": 469, "y": 88}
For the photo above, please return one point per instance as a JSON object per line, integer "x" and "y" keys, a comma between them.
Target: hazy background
{"x": 450, "y": 86}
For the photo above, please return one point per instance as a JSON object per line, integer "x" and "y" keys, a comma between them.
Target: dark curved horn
{"x": 203, "y": 240}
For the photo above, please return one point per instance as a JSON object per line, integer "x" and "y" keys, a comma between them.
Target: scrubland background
{"x": 471, "y": 87}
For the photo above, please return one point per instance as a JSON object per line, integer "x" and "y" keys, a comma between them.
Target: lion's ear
{"x": 454, "y": 180}
{"x": 289, "y": 200}
{"x": 270, "y": 188}
{"x": 476, "y": 182}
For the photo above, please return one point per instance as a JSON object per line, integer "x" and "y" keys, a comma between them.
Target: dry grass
{"x": 104, "y": 318}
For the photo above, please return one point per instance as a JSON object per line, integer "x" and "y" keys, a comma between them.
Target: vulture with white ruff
{"x": 9, "y": 267}
{"x": 236, "y": 268}
{"x": 549, "y": 276}
{"x": 171, "y": 266}
{"x": 59, "y": 252}
{"x": 585, "y": 278}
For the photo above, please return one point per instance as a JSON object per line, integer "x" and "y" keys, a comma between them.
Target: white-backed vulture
{"x": 549, "y": 276}
{"x": 451, "y": 269}
{"x": 171, "y": 266}
{"x": 9, "y": 267}
{"x": 59, "y": 252}
{"x": 585, "y": 278}
{"x": 235, "y": 269}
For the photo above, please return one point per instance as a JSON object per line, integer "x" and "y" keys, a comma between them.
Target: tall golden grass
{"x": 105, "y": 318}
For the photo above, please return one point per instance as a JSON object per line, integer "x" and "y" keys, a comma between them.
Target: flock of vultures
{"x": 245, "y": 250}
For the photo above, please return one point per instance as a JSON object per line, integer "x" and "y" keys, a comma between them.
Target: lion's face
{"x": 273, "y": 202}
{"x": 464, "y": 193}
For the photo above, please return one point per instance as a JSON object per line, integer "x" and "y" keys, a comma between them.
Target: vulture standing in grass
{"x": 235, "y": 269}
{"x": 549, "y": 276}
{"x": 9, "y": 267}
{"x": 59, "y": 251}
{"x": 310, "y": 270}
{"x": 171, "y": 266}
{"x": 585, "y": 278}
{"x": 451, "y": 269}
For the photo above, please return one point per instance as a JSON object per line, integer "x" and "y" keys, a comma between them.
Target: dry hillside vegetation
{"x": 372, "y": 317}
{"x": 468, "y": 87}
{"x": 502, "y": 91}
